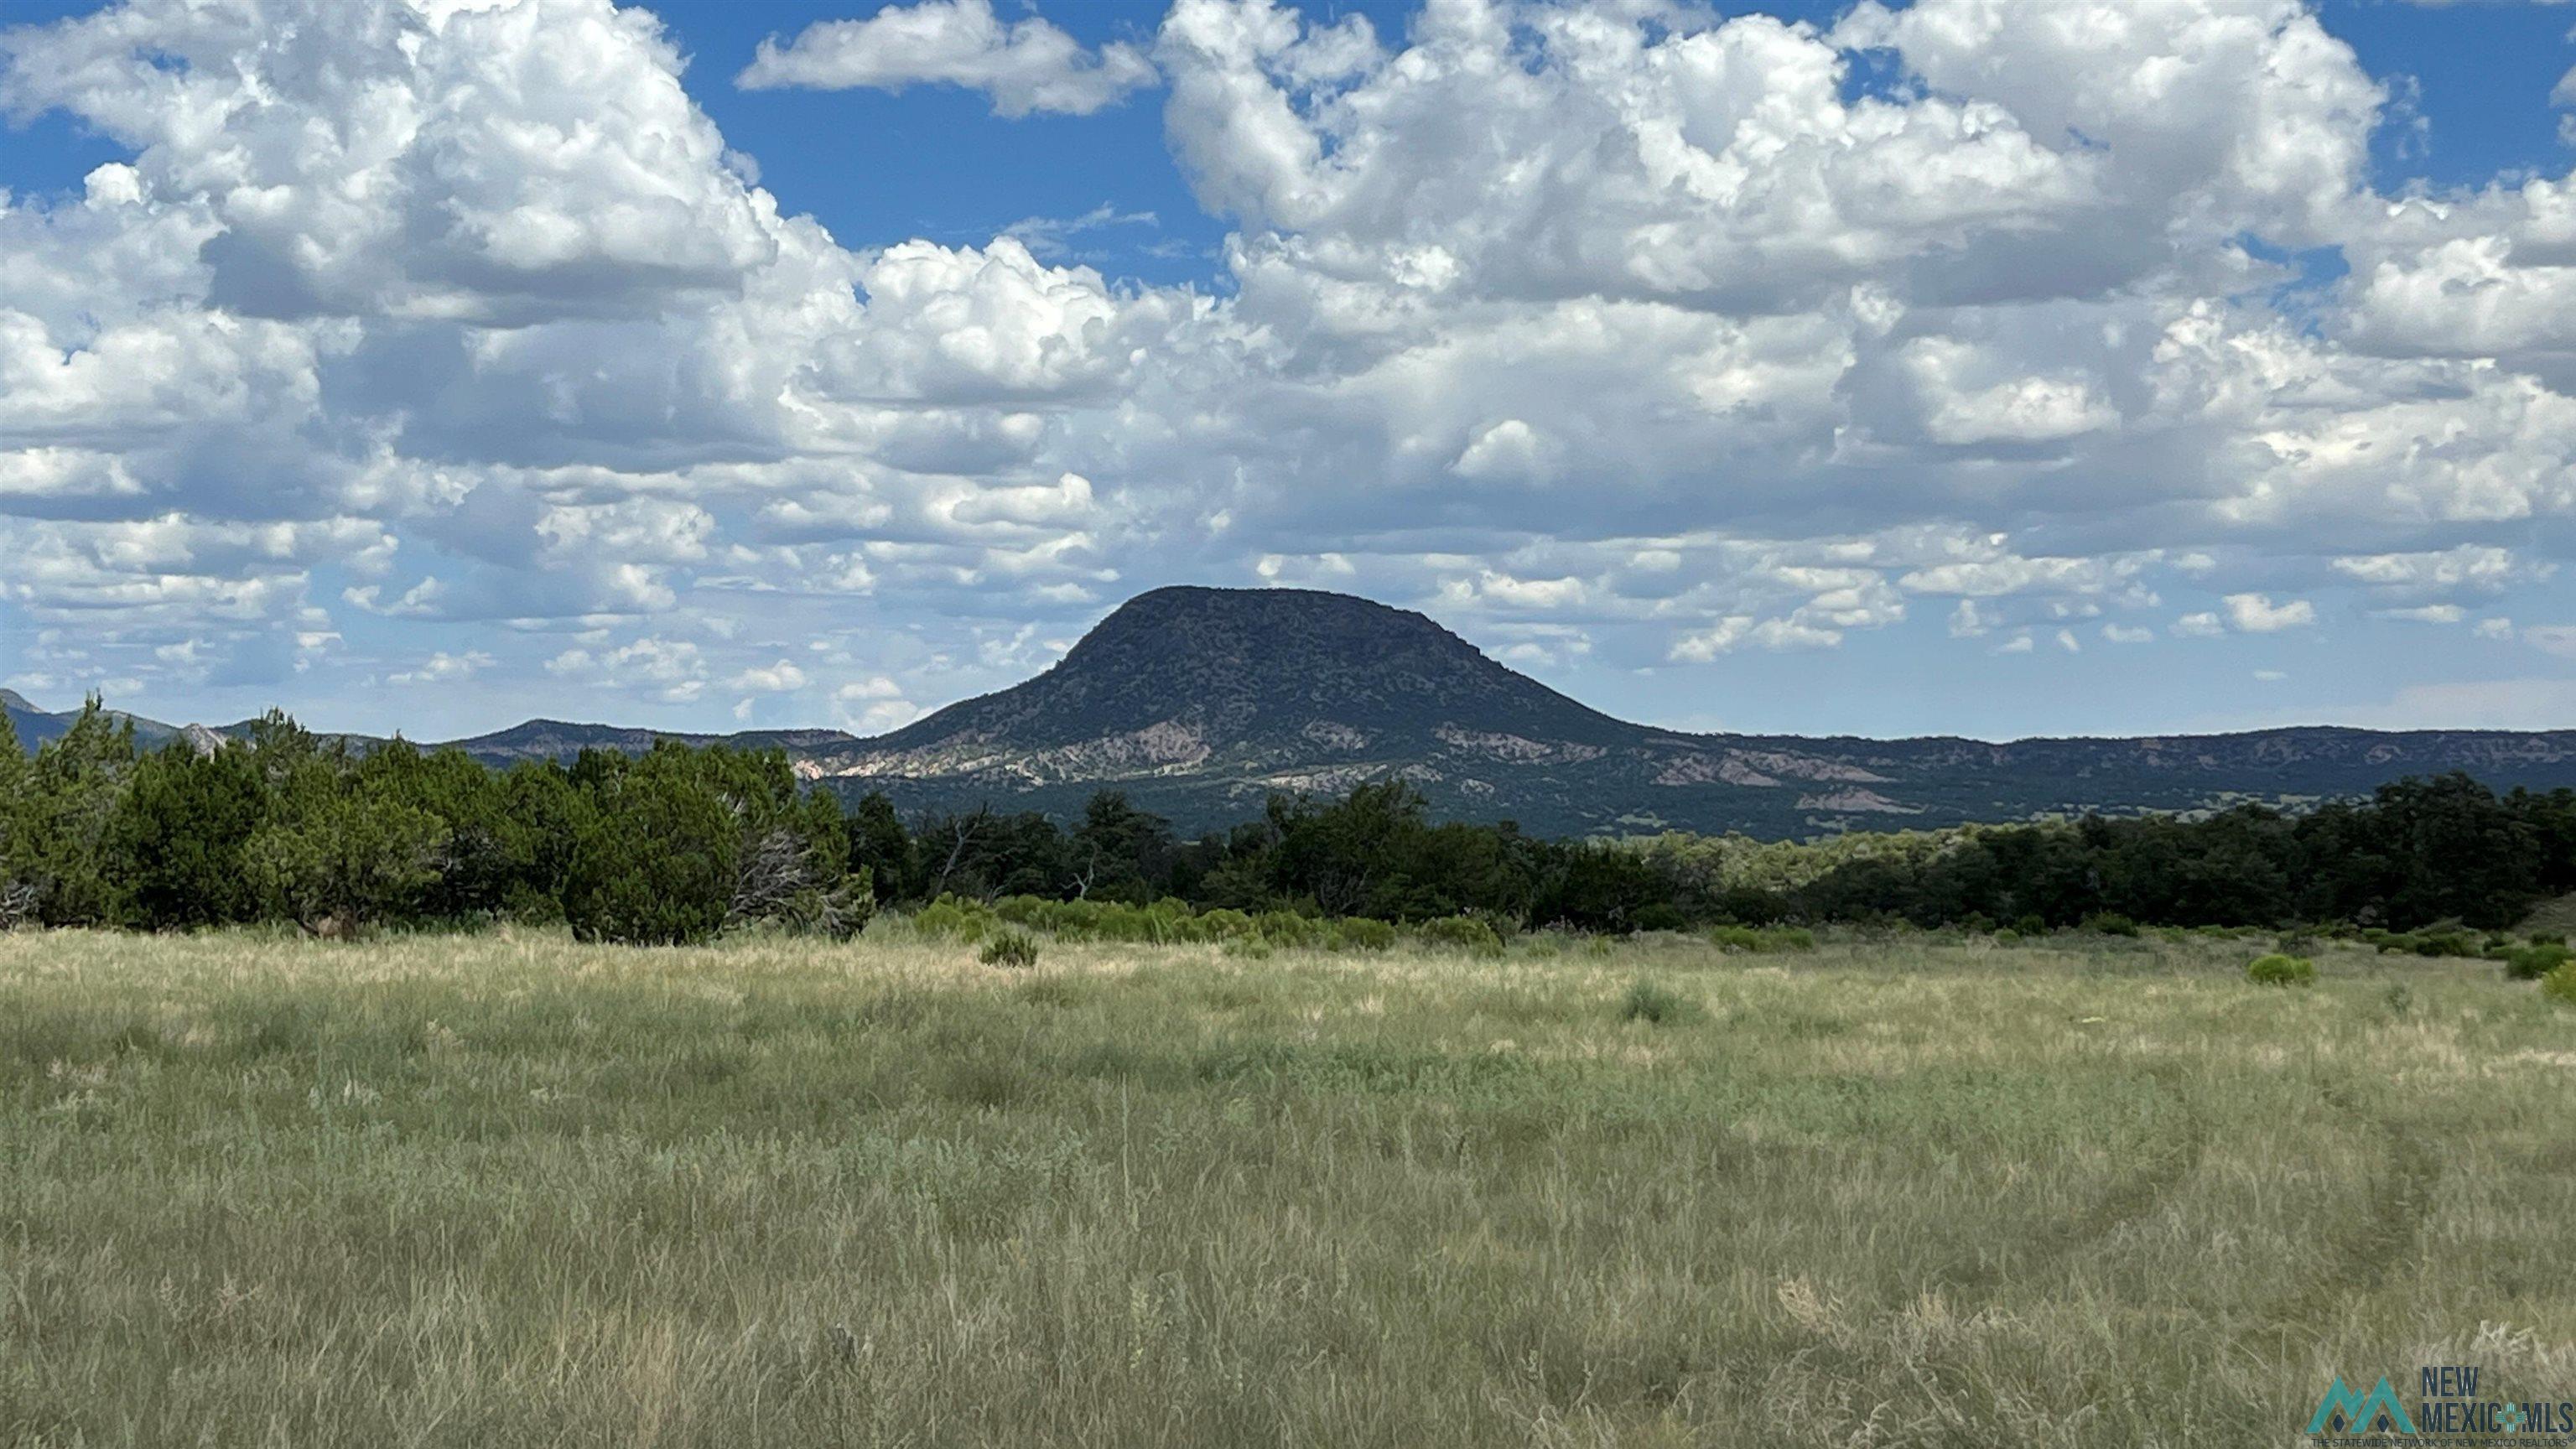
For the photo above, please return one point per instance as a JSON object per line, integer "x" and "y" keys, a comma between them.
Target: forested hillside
{"x": 682, "y": 842}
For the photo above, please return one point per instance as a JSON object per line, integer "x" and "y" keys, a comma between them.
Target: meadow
{"x": 1910, "y": 1189}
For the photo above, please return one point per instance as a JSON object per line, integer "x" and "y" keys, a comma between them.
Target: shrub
{"x": 1012, "y": 948}
{"x": 2109, "y": 923}
{"x": 1038, "y": 912}
{"x": 1658, "y": 1004}
{"x": 2561, "y": 983}
{"x": 1464, "y": 932}
{"x": 2279, "y": 970}
{"x": 1762, "y": 939}
{"x": 1287, "y": 928}
{"x": 1362, "y": 933}
{"x": 2007, "y": 936}
{"x": 1660, "y": 916}
{"x": 951, "y": 919}
{"x": 2444, "y": 944}
{"x": 1223, "y": 924}
{"x": 2030, "y": 924}
{"x": 2532, "y": 963}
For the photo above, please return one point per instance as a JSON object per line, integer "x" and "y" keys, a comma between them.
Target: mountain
{"x": 35, "y": 726}
{"x": 1201, "y": 681}
{"x": 1201, "y": 703}
{"x": 554, "y": 739}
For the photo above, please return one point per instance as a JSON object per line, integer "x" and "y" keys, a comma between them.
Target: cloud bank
{"x": 425, "y": 342}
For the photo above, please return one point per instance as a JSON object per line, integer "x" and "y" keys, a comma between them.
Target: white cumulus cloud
{"x": 1024, "y": 65}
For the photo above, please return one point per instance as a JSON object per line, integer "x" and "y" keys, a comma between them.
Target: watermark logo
{"x": 2452, "y": 1407}
{"x": 2342, "y": 1411}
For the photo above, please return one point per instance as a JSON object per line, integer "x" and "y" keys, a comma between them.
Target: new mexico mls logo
{"x": 2378, "y": 1410}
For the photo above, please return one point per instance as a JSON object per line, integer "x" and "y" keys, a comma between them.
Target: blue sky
{"x": 1975, "y": 369}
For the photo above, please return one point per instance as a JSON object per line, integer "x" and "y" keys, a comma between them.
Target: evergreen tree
{"x": 655, "y": 863}
{"x": 879, "y": 845}
{"x": 71, "y": 790}
{"x": 174, "y": 841}
{"x": 17, "y": 893}
{"x": 1120, "y": 852}
{"x": 344, "y": 862}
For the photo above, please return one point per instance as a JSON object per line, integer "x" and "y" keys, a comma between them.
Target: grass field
{"x": 504, "y": 1190}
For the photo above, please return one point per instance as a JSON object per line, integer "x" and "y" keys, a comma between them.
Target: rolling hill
{"x": 1201, "y": 703}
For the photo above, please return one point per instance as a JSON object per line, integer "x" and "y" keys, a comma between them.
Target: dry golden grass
{"x": 504, "y": 1190}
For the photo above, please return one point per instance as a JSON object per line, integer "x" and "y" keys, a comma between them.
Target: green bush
{"x": 2030, "y": 924}
{"x": 1660, "y": 916}
{"x": 2532, "y": 963}
{"x": 950, "y": 919}
{"x": 2279, "y": 970}
{"x": 2427, "y": 943}
{"x": 1011, "y": 948}
{"x": 2109, "y": 923}
{"x": 1362, "y": 933}
{"x": 1288, "y": 929}
{"x": 1038, "y": 911}
{"x": 1223, "y": 924}
{"x": 1658, "y": 1004}
{"x": 2007, "y": 936}
{"x": 2561, "y": 983}
{"x": 1464, "y": 932}
{"x": 1763, "y": 939}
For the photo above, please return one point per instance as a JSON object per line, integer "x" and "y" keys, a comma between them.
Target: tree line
{"x": 670, "y": 846}
{"x": 679, "y": 844}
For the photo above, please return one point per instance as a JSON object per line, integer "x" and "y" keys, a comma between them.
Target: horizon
{"x": 1816, "y": 369}
{"x": 471, "y": 735}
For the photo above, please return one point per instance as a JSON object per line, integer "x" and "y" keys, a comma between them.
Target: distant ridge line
{"x": 1200, "y": 703}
